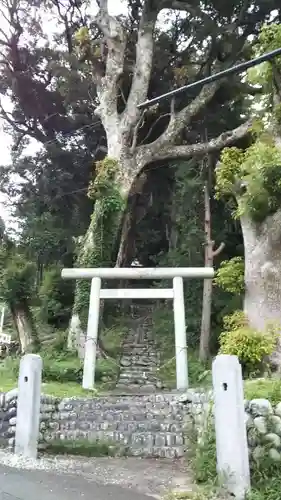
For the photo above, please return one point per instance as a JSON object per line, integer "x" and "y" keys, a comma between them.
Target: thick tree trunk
{"x": 25, "y": 327}
{"x": 96, "y": 250}
{"x": 262, "y": 303}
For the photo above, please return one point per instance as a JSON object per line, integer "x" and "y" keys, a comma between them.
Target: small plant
{"x": 230, "y": 276}
{"x": 251, "y": 346}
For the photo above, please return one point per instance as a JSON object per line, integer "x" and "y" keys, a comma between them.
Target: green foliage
{"x": 17, "y": 276}
{"x": 204, "y": 461}
{"x": 228, "y": 171}
{"x": 71, "y": 370}
{"x": 265, "y": 480}
{"x": 112, "y": 338}
{"x": 253, "y": 176}
{"x": 82, "y": 35}
{"x": 265, "y": 474}
{"x": 97, "y": 247}
{"x": 230, "y": 276}
{"x": 65, "y": 368}
{"x": 267, "y": 388}
{"x": 251, "y": 346}
{"x": 269, "y": 39}
{"x": 56, "y": 298}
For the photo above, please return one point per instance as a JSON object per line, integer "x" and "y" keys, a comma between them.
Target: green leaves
{"x": 17, "y": 277}
{"x": 230, "y": 276}
{"x": 258, "y": 172}
{"x": 249, "y": 345}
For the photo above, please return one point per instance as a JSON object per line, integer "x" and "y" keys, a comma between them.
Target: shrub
{"x": 65, "y": 368}
{"x": 56, "y": 297}
{"x": 251, "y": 346}
{"x": 230, "y": 276}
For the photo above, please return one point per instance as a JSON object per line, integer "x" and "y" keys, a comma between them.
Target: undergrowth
{"x": 265, "y": 473}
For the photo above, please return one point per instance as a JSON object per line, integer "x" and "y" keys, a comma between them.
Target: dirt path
{"x": 153, "y": 477}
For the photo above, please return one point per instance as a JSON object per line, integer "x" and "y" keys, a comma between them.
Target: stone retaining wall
{"x": 155, "y": 425}
{"x": 151, "y": 425}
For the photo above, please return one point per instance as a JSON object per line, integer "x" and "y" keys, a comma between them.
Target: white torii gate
{"x": 176, "y": 293}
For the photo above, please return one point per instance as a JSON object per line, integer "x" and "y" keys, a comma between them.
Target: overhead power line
{"x": 238, "y": 68}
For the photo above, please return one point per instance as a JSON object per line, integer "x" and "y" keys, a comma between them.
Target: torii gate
{"x": 176, "y": 293}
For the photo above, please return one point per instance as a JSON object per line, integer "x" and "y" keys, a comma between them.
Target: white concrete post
{"x": 2, "y": 319}
{"x": 92, "y": 336}
{"x": 28, "y": 406}
{"x": 231, "y": 436}
{"x": 180, "y": 335}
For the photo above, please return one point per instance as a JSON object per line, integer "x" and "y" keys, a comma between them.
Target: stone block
{"x": 260, "y": 408}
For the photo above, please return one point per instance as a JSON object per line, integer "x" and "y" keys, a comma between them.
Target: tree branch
{"x": 220, "y": 248}
{"x": 142, "y": 68}
{"x": 182, "y": 119}
{"x": 188, "y": 7}
{"x": 107, "y": 89}
{"x": 149, "y": 152}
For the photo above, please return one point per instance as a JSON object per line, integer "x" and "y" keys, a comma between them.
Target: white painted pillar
{"x": 180, "y": 335}
{"x": 231, "y": 436}
{"x": 2, "y": 319}
{"x": 28, "y": 406}
{"x": 92, "y": 336}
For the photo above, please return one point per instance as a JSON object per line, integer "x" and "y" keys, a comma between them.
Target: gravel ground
{"x": 153, "y": 477}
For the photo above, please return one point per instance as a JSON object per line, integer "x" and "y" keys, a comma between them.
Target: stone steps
{"x": 150, "y": 425}
{"x": 140, "y": 359}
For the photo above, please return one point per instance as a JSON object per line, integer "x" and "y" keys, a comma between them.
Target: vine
{"x": 97, "y": 247}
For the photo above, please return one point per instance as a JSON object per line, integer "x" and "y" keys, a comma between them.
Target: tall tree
{"x": 253, "y": 178}
{"x": 17, "y": 279}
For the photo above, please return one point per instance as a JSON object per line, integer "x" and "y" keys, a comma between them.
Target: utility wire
{"x": 238, "y": 68}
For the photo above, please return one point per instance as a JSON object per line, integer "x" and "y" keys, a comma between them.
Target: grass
{"x": 57, "y": 389}
{"x": 264, "y": 388}
{"x": 84, "y": 447}
{"x": 265, "y": 475}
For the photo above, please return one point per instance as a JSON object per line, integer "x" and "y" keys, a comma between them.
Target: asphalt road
{"x": 18, "y": 484}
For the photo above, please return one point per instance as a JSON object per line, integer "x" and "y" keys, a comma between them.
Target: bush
{"x": 65, "y": 368}
{"x": 251, "y": 346}
{"x": 230, "y": 276}
{"x": 56, "y": 297}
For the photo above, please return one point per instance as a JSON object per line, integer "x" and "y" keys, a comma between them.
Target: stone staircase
{"x": 150, "y": 425}
{"x": 140, "y": 359}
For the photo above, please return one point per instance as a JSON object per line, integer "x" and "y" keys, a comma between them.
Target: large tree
{"x": 117, "y": 178}
{"x": 252, "y": 177}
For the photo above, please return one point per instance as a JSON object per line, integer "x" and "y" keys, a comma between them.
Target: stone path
{"x": 123, "y": 478}
{"x": 140, "y": 358}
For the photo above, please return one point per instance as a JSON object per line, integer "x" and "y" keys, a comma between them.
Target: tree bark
{"x": 262, "y": 303}
{"x": 96, "y": 250}
{"x": 25, "y": 327}
{"x": 210, "y": 253}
